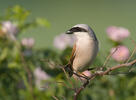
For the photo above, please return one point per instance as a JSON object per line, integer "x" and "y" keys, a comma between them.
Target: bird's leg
{"x": 85, "y": 77}
{"x": 81, "y": 75}
{"x": 91, "y": 69}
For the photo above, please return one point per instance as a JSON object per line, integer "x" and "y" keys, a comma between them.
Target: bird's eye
{"x": 78, "y": 29}
{"x": 75, "y": 29}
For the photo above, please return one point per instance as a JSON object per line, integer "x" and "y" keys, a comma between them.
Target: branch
{"x": 118, "y": 66}
{"x": 101, "y": 73}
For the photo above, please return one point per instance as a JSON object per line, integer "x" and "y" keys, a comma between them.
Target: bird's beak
{"x": 69, "y": 32}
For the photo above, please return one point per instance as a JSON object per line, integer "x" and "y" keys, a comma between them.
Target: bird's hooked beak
{"x": 69, "y": 32}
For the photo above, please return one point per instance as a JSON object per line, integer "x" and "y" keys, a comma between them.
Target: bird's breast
{"x": 86, "y": 51}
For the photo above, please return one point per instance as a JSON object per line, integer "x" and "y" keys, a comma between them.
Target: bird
{"x": 84, "y": 50}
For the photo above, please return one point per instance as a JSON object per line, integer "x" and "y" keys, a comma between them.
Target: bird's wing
{"x": 73, "y": 54}
{"x": 69, "y": 66}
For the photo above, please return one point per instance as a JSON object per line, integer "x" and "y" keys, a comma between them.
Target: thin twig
{"x": 64, "y": 85}
{"x": 67, "y": 77}
{"x": 133, "y": 52}
{"x": 119, "y": 73}
{"x": 54, "y": 97}
{"x": 108, "y": 57}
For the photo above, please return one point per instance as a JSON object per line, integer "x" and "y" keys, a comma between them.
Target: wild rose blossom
{"x": 117, "y": 33}
{"x": 10, "y": 28}
{"x": 63, "y": 40}
{"x": 40, "y": 76}
{"x": 28, "y": 42}
{"x": 120, "y": 53}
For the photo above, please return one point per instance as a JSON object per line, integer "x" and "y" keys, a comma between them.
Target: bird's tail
{"x": 68, "y": 69}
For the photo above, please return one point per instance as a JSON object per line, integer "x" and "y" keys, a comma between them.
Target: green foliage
{"x": 19, "y": 16}
{"x": 17, "y": 79}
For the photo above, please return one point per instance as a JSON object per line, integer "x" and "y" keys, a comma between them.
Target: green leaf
{"x": 13, "y": 65}
{"x": 42, "y": 22}
{"x": 3, "y": 54}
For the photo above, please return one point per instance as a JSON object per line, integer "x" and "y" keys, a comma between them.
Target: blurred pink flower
{"x": 63, "y": 40}
{"x": 117, "y": 33}
{"x": 40, "y": 76}
{"x": 120, "y": 53}
{"x": 28, "y": 42}
{"x": 10, "y": 28}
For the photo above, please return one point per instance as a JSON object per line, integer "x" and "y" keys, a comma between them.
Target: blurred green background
{"x": 63, "y": 14}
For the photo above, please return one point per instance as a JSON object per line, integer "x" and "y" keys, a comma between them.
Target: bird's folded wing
{"x": 73, "y": 54}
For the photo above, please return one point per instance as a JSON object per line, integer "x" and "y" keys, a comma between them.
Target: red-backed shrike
{"x": 84, "y": 50}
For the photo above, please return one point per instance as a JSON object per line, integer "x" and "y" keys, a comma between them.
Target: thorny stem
{"x": 26, "y": 69}
{"x": 101, "y": 73}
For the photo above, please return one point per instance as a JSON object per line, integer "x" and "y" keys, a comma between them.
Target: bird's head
{"x": 82, "y": 31}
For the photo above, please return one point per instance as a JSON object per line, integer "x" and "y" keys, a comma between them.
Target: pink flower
{"x": 28, "y": 42}
{"x": 10, "y": 28}
{"x": 120, "y": 53}
{"x": 40, "y": 76}
{"x": 63, "y": 40}
{"x": 117, "y": 33}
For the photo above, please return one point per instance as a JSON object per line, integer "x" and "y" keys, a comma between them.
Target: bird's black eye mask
{"x": 76, "y": 29}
